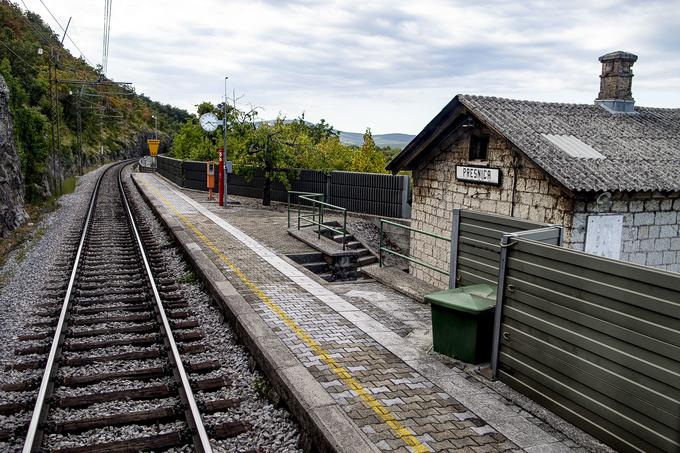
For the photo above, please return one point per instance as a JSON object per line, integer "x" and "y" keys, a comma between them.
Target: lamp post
{"x": 156, "y": 126}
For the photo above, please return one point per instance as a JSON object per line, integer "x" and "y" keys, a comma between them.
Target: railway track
{"x": 114, "y": 378}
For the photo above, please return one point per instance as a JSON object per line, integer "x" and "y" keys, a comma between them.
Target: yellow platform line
{"x": 383, "y": 413}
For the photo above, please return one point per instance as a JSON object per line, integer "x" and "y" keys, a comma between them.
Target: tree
{"x": 368, "y": 158}
{"x": 193, "y": 143}
{"x": 272, "y": 148}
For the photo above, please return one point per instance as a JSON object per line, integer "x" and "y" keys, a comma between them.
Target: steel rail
{"x": 203, "y": 444}
{"x": 40, "y": 411}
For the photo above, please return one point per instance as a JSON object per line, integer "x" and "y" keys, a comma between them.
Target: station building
{"x": 608, "y": 172}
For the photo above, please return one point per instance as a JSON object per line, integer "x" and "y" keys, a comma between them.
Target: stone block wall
{"x": 651, "y": 226}
{"x": 436, "y": 192}
{"x": 651, "y": 220}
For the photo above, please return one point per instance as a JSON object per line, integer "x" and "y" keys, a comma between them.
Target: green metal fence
{"x": 315, "y": 216}
{"x": 292, "y": 193}
{"x": 595, "y": 340}
{"x": 475, "y": 250}
{"x": 382, "y": 248}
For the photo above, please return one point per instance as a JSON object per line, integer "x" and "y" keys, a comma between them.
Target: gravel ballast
{"x": 273, "y": 429}
{"x": 25, "y": 274}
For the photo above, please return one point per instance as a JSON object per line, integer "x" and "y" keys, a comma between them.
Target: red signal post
{"x": 220, "y": 167}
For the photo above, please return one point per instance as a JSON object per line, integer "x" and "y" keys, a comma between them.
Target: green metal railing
{"x": 315, "y": 214}
{"x": 382, "y": 248}
{"x": 306, "y": 194}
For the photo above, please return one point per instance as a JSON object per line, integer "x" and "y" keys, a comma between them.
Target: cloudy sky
{"x": 389, "y": 65}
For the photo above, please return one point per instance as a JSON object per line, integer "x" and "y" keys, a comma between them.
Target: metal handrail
{"x": 383, "y": 248}
{"x": 311, "y": 218}
{"x": 307, "y": 194}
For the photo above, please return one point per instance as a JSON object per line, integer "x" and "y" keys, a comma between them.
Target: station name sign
{"x": 484, "y": 175}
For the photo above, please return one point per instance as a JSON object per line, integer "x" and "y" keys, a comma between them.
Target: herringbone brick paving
{"x": 437, "y": 419}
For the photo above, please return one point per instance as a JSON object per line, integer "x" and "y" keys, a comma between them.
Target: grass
{"x": 261, "y": 387}
{"x": 189, "y": 277}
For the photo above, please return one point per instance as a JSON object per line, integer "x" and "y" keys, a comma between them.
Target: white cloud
{"x": 390, "y": 65}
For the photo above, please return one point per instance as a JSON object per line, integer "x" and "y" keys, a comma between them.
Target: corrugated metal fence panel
{"x": 171, "y": 169}
{"x": 195, "y": 175}
{"x": 596, "y": 341}
{"x": 479, "y": 237}
{"x": 369, "y": 193}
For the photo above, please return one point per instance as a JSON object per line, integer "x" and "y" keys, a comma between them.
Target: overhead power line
{"x": 34, "y": 27}
{"x": 106, "y": 36}
{"x": 82, "y": 54}
{"x": 18, "y": 56}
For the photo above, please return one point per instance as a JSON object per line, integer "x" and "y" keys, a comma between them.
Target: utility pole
{"x": 56, "y": 94}
{"x": 80, "y": 132}
{"x": 56, "y": 101}
{"x": 53, "y": 158}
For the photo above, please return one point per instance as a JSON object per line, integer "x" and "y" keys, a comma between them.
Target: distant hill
{"x": 396, "y": 140}
{"x": 393, "y": 140}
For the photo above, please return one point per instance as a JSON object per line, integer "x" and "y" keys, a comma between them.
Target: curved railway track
{"x": 117, "y": 339}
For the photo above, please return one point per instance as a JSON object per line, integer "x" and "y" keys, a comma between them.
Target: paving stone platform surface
{"x": 365, "y": 345}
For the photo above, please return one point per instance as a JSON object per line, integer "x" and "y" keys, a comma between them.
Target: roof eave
{"x": 420, "y": 142}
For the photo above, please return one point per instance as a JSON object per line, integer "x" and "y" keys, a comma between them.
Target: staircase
{"x": 364, "y": 255}
{"x": 331, "y": 262}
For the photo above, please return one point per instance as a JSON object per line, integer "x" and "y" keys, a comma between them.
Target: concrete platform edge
{"x": 325, "y": 426}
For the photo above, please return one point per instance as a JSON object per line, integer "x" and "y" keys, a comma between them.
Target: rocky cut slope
{"x": 12, "y": 212}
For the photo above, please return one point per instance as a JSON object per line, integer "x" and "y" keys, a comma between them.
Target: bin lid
{"x": 470, "y": 299}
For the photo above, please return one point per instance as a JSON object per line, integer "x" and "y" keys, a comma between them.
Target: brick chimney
{"x": 615, "y": 82}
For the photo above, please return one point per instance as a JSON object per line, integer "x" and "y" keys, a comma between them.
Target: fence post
{"x": 405, "y": 207}
{"x": 561, "y": 240}
{"x": 500, "y": 293}
{"x": 327, "y": 191}
{"x": 453, "y": 257}
{"x": 380, "y": 247}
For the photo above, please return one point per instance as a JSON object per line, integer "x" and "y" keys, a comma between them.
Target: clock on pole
{"x": 209, "y": 122}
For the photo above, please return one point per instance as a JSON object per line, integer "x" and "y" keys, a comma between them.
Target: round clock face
{"x": 209, "y": 122}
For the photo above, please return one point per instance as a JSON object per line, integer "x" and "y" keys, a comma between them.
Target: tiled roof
{"x": 641, "y": 151}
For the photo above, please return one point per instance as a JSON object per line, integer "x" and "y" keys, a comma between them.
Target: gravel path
{"x": 273, "y": 429}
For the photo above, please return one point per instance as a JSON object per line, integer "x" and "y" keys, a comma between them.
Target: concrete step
{"x": 363, "y": 252}
{"x": 338, "y": 238}
{"x": 353, "y": 245}
{"x": 303, "y": 258}
{"x": 366, "y": 260}
{"x": 317, "y": 267}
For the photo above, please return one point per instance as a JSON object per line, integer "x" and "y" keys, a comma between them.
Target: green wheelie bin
{"x": 462, "y": 322}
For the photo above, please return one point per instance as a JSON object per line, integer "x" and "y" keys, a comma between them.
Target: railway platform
{"x": 345, "y": 368}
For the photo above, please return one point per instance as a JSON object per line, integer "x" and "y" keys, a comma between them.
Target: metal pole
{"x": 80, "y": 132}
{"x": 453, "y": 254}
{"x": 500, "y": 290}
{"x": 53, "y": 156}
{"x": 344, "y": 231}
{"x": 56, "y": 94}
{"x": 380, "y": 251}
{"x": 155, "y": 117}
{"x": 223, "y": 169}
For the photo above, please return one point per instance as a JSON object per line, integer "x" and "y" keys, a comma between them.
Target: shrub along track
{"x": 113, "y": 378}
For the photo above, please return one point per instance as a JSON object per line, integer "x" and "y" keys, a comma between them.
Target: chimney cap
{"x": 618, "y": 55}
